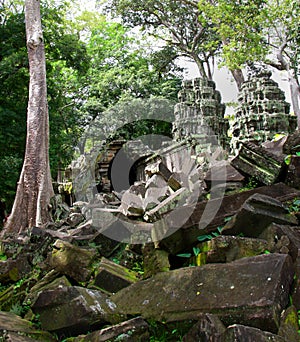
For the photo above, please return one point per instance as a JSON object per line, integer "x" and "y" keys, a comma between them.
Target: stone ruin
{"x": 251, "y": 243}
{"x": 261, "y": 113}
{"x": 200, "y": 112}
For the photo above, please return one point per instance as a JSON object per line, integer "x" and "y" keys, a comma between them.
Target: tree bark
{"x": 238, "y": 77}
{"x": 34, "y": 191}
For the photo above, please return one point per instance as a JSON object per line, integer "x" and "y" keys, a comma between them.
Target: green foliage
{"x": 238, "y": 25}
{"x": 294, "y": 206}
{"x": 163, "y": 332}
{"x": 175, "y": 23}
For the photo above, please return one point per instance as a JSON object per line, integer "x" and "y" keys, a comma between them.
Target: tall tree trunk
{"x": 31, "y": 205}
{"x": 238, "y": 77}
{"x": 295, "y": 96}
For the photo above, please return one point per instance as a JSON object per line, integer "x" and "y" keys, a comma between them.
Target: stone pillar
{"x": 262, "y": 111}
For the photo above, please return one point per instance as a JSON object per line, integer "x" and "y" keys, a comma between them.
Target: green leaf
{"x": 287, "y": 159}
{"x": 184, "y": 255}
{"x": 196, "y": 251}
{"x": 204, "y": 237}
{"x": 298, "y": 154}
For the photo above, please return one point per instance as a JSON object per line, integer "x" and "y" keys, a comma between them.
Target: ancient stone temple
{"x": 200, "y": 112}
{"x": 262, "y": 111}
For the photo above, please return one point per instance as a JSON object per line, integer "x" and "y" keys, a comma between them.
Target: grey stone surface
{"x": 232, "y": 291}
{"x": 74, "y": 310}
{"x": 256, "y": 214}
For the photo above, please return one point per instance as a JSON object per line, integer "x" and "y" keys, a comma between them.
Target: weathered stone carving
{"x": 262, "y": 111}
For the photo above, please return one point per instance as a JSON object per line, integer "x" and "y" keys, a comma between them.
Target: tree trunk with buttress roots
{"x": 34, "y": 190}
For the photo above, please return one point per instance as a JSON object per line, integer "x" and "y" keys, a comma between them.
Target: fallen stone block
{"x": 71, "y": 260}
{"x": 112, "y": 277}
{"x": 208, "y": 328}
{"x": 257, "y": 162}
{"x": 256, "y": 214}
{"x": 181, "y": 230}
{"x": 240, "y": 333}
{"x": 12, "y": 325}
{"x": 133, "y": 330}
{"x": 74, "y": 310}
{"x": 177, "y": 198}
{"x": 232, "y": 291}
{"x": 229, "y": 248}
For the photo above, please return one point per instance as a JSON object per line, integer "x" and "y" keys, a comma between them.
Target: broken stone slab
{"x": 229, "y": 248}
{"x": 112, "y": 277}
{"x": 257, "y": 162}
{"x": 232, "y": 291}
{"x": 181, "y": 230}
{"x": 176, "y": 199}
{"x": 50, "y": 281}
{"x": 71, "y": 260}
{"x": 223, "y": 172}
{"x": 256, "y": 214}
{"x": 241, "y": 333}
{"x": 133, "y": 330}
{"x": 15, "y": 337}
{"x": 208, "y": 328}
{"x": 74, "y": 310}
{"x": 11, "y": 324}
{"x": 132, "y": 205}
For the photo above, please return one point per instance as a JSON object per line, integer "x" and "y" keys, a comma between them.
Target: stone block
{"x": 240, "y": 333}
{"x": 256, "y": 214}
{"x": 71, "y": 260}
{"x": 189, "y": 222}
{"x": 257, "y": 162}
{"x": 112, "y": 277}
{"x": 12, "y": 325}
{"x": 177, "y": 198}
{"x": 133, "y": 330}
{"x": 232, "y": 291}
{"x": 229, "y": 248}
{"x": 74, "y": 310}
